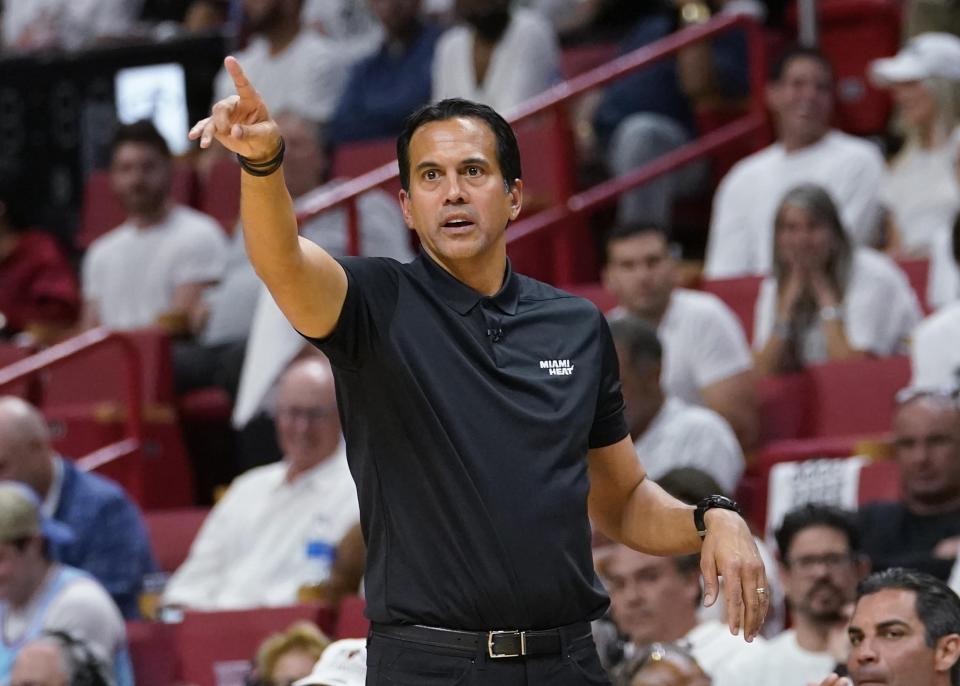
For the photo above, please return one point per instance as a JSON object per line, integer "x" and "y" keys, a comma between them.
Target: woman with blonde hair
{"x": 826, "y": 299}
{"x": 288, "y": 656}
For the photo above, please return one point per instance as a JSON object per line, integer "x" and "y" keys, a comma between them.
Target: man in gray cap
{"x": 38, "y": 594}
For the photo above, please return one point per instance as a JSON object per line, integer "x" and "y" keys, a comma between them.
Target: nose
{"x": 863, "y": 653}
{"x": 455, "y": 192}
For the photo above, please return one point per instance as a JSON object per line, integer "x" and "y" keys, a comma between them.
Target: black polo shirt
{"x": 467, "y": 420}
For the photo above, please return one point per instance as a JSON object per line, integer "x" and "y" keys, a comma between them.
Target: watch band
{"x": 709, "y": 503}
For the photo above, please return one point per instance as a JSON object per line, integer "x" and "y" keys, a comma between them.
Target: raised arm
{"x": 308, "y": 285}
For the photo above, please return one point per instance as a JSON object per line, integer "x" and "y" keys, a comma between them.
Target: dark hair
{"x": 15, "y": 200}
{"x": 142, "y": 131}
{"x": 621, "y": 232}
{"x": 937, "y": 606}
{"x": 816, "y": 514}
{"x": 689, "y": 485}
{"x": 84, "y": 668}
{"x": 795, "y": 52}
{"x": 508, "y": 152}
{"x": 638, "y": 339}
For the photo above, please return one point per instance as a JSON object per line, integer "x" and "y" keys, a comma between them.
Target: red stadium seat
{"x": 101, "y": 211}
{"x": 783, "y": 406}
{"x": 740, "y": 295}
{"x": 153, "y": 653}
{"x": 879, "y": 481}
{"x": 351, "y": 622}
{"x": 917, "y": 271}
{"x": 172, "y": 532}
{"x": 10, "y": 353}
{"x": 854, "y": 397}
{"x": 577, "y": 60}
{"x": 220, "y": 193}
{"x": 354, "y": 159}
{"x": 209, "y": 643}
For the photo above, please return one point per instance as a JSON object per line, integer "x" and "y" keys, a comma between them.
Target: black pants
{"x": 393, "y": 661}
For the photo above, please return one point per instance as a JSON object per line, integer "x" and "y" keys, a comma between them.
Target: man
{"x": 257, "y": 546}
{"x": 922, "y": 530}
{"x": 110, "y": 540}
{"x": 655, "y": 600}
{"x": 905, "y": 631}
{"x": 297, "y": 69}
{"x": 57, "y": 659}
{"x": 667, "y": 432}
{"x": 706, "y": 357}
{"x": 934, "y": 355}
{"x": 478, "y": 521}
{"x": 153, "y": 268}
{"x": 499, "y": 56}
{"x": 391, "y": 83}
{"x": 807, "y": 151}
{"x": 37, "y": 594}
{"x": 820, "y": 566}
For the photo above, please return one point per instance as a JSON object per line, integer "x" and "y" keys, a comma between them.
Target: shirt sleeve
{"x": 609, "y": 425}
{"x": 372, "y": 286}
{"x": 882, "y": 312}
{"x": 203, "y": 257}
{"x": 764, "y": 313}
{"x": 858, "y": 191}
{"x": 84, "y": 610}
{"x": 723, "y": 347}
{"x": 91, "y": 284}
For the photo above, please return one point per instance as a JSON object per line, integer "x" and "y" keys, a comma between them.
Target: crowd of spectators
{"x": 818, "y": 217}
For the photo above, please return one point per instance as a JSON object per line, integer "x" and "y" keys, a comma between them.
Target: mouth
{"x": 458, "y": 225}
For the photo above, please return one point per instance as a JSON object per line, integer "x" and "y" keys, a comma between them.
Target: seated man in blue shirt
{"x": 110, "y": 539}
{"x": 392, "y": 82}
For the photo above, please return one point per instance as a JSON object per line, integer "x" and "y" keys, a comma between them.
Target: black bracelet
{"x": 263, "y": 168}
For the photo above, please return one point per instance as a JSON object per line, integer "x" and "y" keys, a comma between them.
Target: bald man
{"x": 110, "y": 539}
{"x": 277, "y": 526}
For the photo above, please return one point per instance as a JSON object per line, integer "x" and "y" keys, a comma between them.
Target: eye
{"x": 431, "y": 175}
{"x": 893, "y": 633}
{"x": 474, "y": 171}
{"x": 855, "y": 640}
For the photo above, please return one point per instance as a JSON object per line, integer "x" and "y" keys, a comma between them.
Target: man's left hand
{"x": 729, "y": 551}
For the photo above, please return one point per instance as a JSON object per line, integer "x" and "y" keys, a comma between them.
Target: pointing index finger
{"x": 240, "y": 81}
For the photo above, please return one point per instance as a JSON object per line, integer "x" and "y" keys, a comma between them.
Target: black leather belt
{"x": 497, "y": 644}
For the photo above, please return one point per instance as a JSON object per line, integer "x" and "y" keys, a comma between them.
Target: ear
{"x": 946, "y": 653}
{"x": 406, "y": 209}
{"x": 516, "y": 198}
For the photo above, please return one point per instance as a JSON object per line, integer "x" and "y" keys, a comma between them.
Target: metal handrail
{"x": 30, "y": 367}
{"x": 553, "y": 101}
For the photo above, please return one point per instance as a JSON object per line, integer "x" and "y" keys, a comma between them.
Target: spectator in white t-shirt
{"x": 498, "y": 56}
{"x": 668, "y": 432}
{"x": 153, "y": 268}
{"x": 935, "y": 344}
{"x": 706, "y": 359}
{"x": 655, "y": 599}
{"x": 826, "y": 299}
{"x": 920, "y": 189}
{"x": 29, "y": 25}
{"x": 295, "y": 68}
{"x": 820, "y": 565}
{"x": 807, "y": 150}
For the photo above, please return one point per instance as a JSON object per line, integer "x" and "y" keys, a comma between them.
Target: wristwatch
{"x": 708, "y": 503}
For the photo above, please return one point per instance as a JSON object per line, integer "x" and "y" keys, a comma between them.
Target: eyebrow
{"x": 430, "y": 164}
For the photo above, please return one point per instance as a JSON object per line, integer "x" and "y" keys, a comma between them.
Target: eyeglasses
{"x": 806, "y": 564}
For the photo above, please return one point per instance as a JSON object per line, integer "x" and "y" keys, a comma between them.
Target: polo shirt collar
{"x": 461, "y": 298}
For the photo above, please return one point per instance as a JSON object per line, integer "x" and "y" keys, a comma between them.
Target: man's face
{"x": 308, "y": 427}
{"x": 457, "y": 202}
{"x": 803, "y": 241}
{"x": 650, "y": 600}
{"x": 39, "y": 664}
{"x": 802, "y": 100}
{"x": 889, "y": 647}
{"x": 641, "y": 272}
{"x": 140, "y": 176}
{"x": 396, "y": 16}
{"x": 820, "y": 574}
{"x": 927, "y": 432}
{"x": 263, "y": 15}
{"x": 16, "y": 571}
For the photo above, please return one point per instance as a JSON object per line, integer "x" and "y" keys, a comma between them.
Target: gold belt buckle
{"x": 523, "y": 643}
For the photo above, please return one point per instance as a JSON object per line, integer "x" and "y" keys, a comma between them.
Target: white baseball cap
{"x": 343, "y": 663}
{"x": 926, "y": 55}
